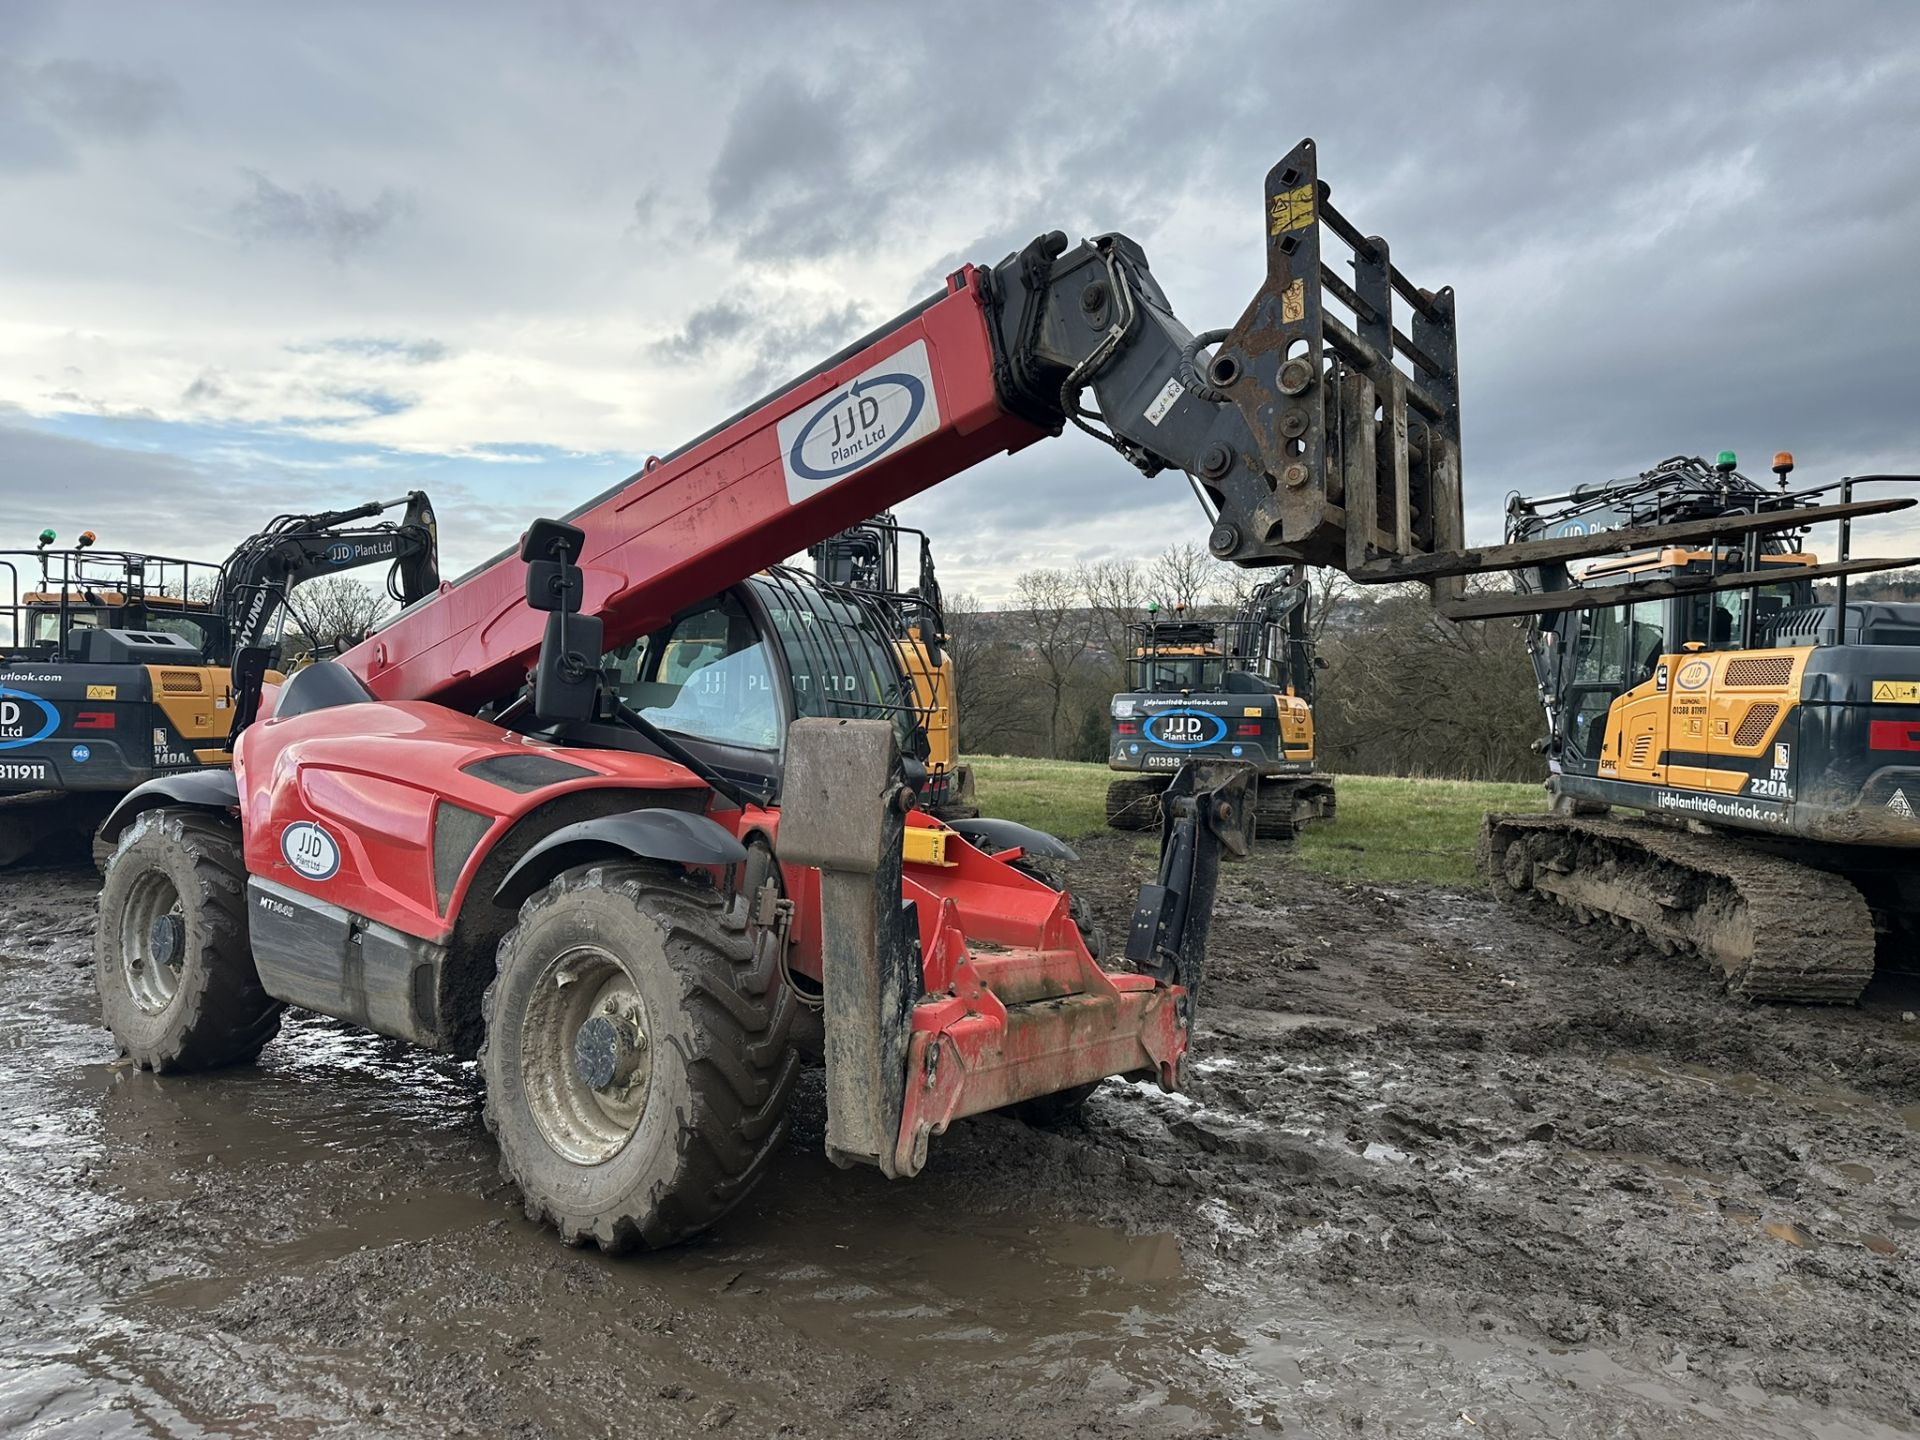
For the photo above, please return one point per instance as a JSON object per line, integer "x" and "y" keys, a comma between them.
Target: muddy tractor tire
{"x": 639, "y": 1057}
{"x": 1135, "y": 804}
{"x": 1047, "y": 1112}
{"x": 177, "y": 983}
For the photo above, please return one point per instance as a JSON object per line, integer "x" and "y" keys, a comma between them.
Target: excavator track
{"x": 1286, "y": 804}
{"x": 1774, "y": 929}
{"x": 50, "y": 826}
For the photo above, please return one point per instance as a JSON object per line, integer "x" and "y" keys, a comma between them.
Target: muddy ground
{"x": 1447, "y": 1169}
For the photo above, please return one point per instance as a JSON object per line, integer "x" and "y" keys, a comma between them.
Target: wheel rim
{"x": 153, "y": 941}
{"x": 586, "y": 1055}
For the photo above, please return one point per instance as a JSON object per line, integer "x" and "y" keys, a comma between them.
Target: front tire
{"x": 639, "y": 1057}
{"x": 177, "y": 983}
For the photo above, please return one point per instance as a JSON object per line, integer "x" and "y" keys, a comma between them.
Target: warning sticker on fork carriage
{"x": 885, "y": 408}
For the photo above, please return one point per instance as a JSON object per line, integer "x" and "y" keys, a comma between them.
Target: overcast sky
{"x": 261, "y": 257}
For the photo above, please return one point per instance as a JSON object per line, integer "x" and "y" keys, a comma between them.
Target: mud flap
{"x": 1208, "y": 806}
{"x": 843, "y": 810}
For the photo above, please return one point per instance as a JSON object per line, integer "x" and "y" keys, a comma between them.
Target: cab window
{"x": 1646, "y": 641}
{"x": 1600, "y": 654}
{"x": 705, "y": 676}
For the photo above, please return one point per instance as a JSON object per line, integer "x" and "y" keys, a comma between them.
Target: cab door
{"x": 1599, "y": 676}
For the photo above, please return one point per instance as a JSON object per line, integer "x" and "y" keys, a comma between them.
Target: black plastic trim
{"x": 991, "y": 835}
{"x": 671, "y": 835}
{"x": 209, "y": 789}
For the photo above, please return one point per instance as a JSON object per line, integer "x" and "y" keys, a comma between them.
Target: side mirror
{"x": 555, "y": 582}
{"x": 1319, "y": 662}
{"x": 566, "y": 678}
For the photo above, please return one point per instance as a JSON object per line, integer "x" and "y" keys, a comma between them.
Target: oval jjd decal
{"x": 309, "y": 849}
{"x": 1185, "y": 729}
{"x": 24, "y": 719}
{"x": 1693, "y": 675}
{"x": 889, "y": 405}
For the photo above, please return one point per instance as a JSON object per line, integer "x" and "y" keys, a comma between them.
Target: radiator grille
{"x": 1642, "y": 747}
{"x": 1756, "y": 724}
{"x": 183, "y": 682}
{"x": 1757, "y": 671}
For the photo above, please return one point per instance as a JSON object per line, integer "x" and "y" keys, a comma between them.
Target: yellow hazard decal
{"x": 1293, "y": 303}
{"x": 1292, "y": 210}
{"x": 1896, "y": 692}
{"x": 103, "y": 692}
{"x": 1250, "y": 710}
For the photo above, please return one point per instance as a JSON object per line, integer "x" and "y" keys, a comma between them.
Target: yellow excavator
{"x": 1767, "y": 736}
{"x": 865, "y": 558}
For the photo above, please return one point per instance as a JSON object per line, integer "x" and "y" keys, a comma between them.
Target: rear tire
{"x": 688, "y": 1033}
{"x": 1134, "y": 804}
{"x": 177, "y": 983}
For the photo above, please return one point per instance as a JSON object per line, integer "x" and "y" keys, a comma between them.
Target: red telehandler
{"x": 631, "y": 816}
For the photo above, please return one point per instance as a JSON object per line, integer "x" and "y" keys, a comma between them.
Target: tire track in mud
{"x": 1440, "y": 1156}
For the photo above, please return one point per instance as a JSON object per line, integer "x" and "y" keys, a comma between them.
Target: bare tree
{"x": 334, "y": 608}
{"x": 1182, "y": 573}
{"x": 990, "y": 689}
{"x": 1116, "y": 594}
{"x": 1056, "y": 631}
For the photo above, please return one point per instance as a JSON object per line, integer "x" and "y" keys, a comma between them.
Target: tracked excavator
{"x": 1763, "y": 738}
{"x": 115, "y": 666}
{"x": 866, "y": 557}
{"x": 1236, "y": 689}
{"x": 632, "y": 817}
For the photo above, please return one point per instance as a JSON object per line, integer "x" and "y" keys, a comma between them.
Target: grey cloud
{"x": 207, "y": 387}
{"x": 317, "y": 215}
{"x": 775, "y": 343}
{"x": 109, "y": 102}
{"x": 720, "y": 321}
{"x": 48, "y": 109}
{"x": 380, "y": 347}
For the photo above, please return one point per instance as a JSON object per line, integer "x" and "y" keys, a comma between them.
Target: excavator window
{"x": 1648, "y": 641}
{"x": 1197, "y": 673}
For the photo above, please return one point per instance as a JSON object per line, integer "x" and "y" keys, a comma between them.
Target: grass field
{"x": 1388, "y": 829}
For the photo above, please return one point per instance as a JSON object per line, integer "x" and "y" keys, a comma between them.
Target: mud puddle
{"x": 1445, "y": 1170}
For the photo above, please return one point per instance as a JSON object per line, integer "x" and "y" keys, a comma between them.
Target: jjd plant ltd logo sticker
{"x": 24, "y": 719}
{"x": 309, "y": 849}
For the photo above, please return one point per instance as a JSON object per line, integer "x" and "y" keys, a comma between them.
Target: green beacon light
{"x": 1726, "y": 461}
{"x": 1153, "y": 607}
{"x": 47, "y": 537}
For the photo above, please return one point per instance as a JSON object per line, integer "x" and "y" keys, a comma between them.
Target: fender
{"x": 994, "y": 835}
{"x": 672, "y": 835}
{"x": 201, "y": 789}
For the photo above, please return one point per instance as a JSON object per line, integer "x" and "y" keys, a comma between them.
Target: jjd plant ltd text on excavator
{"x": 115, "y": 667}
{"x": 1768, "y": 735}
{"x": 1238, "y": 689}
{"x": 632, "y": 818}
